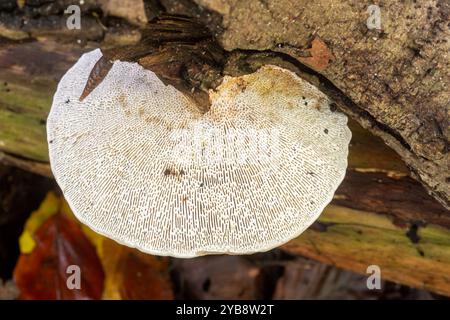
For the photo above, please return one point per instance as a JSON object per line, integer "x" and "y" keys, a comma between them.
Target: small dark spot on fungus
{"x": 333, "y": 107}
{"x": 5, "y": 83}
{"x": 306, "y": 103}
{"x": 326, "y": 131}
{"x": 310, "y": 173}
{"x": 42, "y": 121}
{"x": 67, "y": 101}
{"x": 172, "y": 172}
{"x": 51, "y": 141}
{"x": 201, "y": 185}
{"x": 7, "y": 89}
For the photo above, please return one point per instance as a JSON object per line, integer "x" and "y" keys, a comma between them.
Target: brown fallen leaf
{"x": 320, "y": 55}
{"x": 59, "y": 243}
{"x": 98, "y": 73}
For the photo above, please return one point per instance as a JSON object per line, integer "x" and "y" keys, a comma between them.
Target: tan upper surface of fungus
{"x": 139, "y": 163}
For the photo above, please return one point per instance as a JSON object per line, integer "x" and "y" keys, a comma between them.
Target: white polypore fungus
{"x": 139, "y": 163}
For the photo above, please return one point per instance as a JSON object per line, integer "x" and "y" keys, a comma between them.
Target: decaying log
{"x": 379, "y": 215}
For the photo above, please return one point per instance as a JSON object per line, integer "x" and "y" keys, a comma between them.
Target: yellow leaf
{"x": 26, "y": 242}
{"x": 48, "y": 207}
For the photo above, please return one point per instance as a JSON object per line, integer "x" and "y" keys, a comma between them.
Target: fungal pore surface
{"x": 139, "y": 163}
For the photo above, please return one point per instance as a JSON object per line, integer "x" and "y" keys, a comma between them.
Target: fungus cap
{"x": 139, "y": 163}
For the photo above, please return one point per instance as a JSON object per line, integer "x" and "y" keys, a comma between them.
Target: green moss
{"x": 354, "y": 239}
{"x": 23, "y": 111}
{"x": 23, "y": 135}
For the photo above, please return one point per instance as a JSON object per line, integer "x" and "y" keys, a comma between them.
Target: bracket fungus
{"x": 139, "y": 163}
